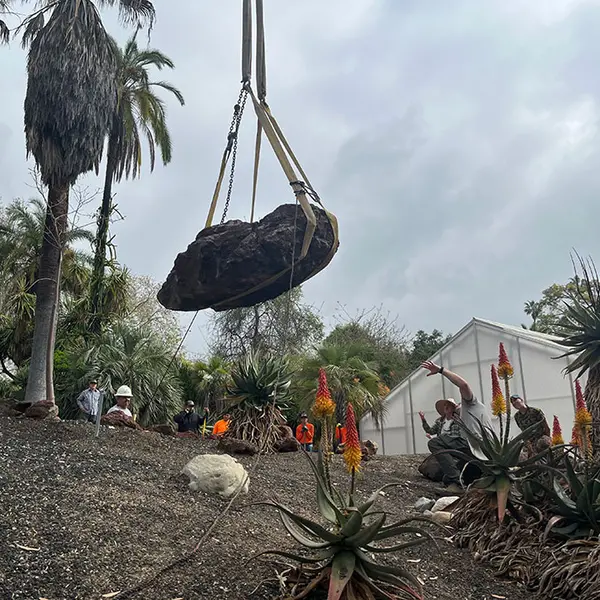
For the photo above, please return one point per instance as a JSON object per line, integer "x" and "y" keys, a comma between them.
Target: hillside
{"x": 82, "y": 517}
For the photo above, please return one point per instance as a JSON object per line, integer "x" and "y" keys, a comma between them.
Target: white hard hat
{"x": 124, "y": 392}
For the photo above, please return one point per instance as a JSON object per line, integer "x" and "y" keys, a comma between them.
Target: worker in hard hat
{"x": 123, "y": 398}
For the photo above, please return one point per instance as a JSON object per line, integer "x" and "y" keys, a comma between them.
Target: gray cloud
{"x": 456, "y": 142}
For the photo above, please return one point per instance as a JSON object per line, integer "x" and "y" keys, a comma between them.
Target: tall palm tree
{"x": 69, "y": 104}
{"x": 139, "y": 113}
{"x": 581, "y": 326}
{"x": 350, "y": 379}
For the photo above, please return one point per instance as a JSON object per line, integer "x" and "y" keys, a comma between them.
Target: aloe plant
{"x": 577, "y": 504}
{"x": 340, "y": 552}
{"x": 257, "y": 397}
{"x": 502, "y": 466}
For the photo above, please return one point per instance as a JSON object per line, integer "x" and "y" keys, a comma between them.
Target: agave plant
{"x": 257, "y": 396}
{"x": 502, "y": 466}
{"x": 340, "y": 554}
{"x": 577, "y": 504}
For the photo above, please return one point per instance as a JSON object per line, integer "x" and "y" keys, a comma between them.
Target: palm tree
{"x": 21, "y": 238}
{"x": 139, "y": 113}
{"x": 350, "y": 379}
{"x": 125, "y": 355}
{"x": 581, "y": 326}
{"x": 4, "y": 30}
{"x": 69, "y": 104}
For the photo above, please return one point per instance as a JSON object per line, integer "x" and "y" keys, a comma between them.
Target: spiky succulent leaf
{"x": 367, "y": 534}
{"x": 353, "y": 524}
{"x": 342, "y": 569}
{"x": 299, "y": 535}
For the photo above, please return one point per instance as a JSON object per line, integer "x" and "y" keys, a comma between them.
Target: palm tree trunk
{"x": 47, "y": 294}
{"x": 52, "y": 339}
{"x": 592, "y": 399}
{"x": 98, "y": 272}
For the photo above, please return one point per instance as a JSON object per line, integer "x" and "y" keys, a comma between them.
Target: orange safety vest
{"x": 305, "y": 437}
{"x": 340, "y": 435}
{"x": 220, "y": 427}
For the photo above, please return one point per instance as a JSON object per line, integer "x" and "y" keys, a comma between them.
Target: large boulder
{"x": 118, "y": 419}
{"x": 288, "y": 444}
{"x": 166, "y": 429}
{"x": 225, "y": 261}
{"x": 217, "y": 474}
{"x": 43, "y": 410}
{"x": 235, "y": 446}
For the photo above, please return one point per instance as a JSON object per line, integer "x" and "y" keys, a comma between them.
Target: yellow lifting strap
{"x": 267, "y": 123}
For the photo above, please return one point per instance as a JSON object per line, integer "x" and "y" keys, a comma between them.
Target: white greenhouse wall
{"x": 538, "y": 378}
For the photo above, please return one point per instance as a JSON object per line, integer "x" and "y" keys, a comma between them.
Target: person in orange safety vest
{"x": 221, "y": 427}
{"x": 340, "y": 437}
{"x": 305, "y": 433}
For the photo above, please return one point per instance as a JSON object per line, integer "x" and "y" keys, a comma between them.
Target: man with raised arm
{"x": 472, "y": 412}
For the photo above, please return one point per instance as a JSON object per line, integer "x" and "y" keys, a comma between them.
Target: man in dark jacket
{"x": 189, "y": 420}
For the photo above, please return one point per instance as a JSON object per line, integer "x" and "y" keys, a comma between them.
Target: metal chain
{"x": 232, "y": 144}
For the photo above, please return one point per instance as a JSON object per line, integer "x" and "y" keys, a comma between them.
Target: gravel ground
{"x": 82, "y": 517}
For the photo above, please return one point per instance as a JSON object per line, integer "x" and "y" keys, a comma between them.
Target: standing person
{"x": 340, "y": 438}
{"x": 305, "y": 433}
{"x": 189, "y": 420}
{"x": 472, "y": 412}
{"x": 122, "y": 402}
{"x": 88, "y": 402}
{"x": 528, "y": 416}
{"x": 221, "y": 427}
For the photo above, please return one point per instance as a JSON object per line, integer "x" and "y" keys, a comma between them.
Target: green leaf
{"x": 342, "y": 570}
{"x": 403, "y": 529}
{"x": 300, "y": 536}
{"x": 366, "y": 534}
{"x": 305, "y": 560}
{"x": 311, "y": 526}
{"x": 353, "y": 524}
{"x": 363, "y": 508}
{"x": 397, "y": 547}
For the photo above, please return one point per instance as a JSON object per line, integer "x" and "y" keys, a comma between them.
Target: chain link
{"x": 232, "y": 144}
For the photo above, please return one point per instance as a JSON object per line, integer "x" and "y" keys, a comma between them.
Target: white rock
{"x": 219, "y": 474}
{"x": 423, "y": 504}
{"x": 442, "y": 517}
{"x": 444, "y": 503}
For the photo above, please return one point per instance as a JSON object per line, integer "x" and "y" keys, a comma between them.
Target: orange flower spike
{"x": 583, "y": 418}
{"x": 575, "y": 436}
{"x": 352, "y": 450}
{"x": 557, "y": 437}
{"x": 505, "y": 370}
{"x": 498, "y": 401}
{"x": 324, "y": 406}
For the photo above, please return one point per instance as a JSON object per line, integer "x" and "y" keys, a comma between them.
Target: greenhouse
{"x": 538, "y": 378}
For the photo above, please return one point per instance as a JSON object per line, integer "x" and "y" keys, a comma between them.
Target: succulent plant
{"x": 342, "y": 551}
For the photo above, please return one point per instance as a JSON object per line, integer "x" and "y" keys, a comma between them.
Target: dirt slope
{"x": 98, "y": 515}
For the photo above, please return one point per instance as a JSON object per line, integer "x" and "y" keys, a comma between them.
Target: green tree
{"x": 283, "y": 325}
{"x": 206, "y": 382}
{"x": 580, "y": 324}
{"x": 123, "y": 355}
{"x": 139, "y": 113}
{"x": 69, "y": 104}
{"x": 377, "y": 339}
{"x": 547, "y": 313}
{"x": 21, "y": 239}
{"x": 423, "y": 346}
{"x": 4, "y": 30}
{"x": 350, "y": 379}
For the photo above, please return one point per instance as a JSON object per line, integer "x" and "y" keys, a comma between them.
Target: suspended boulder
{"x": 240, "y": 264}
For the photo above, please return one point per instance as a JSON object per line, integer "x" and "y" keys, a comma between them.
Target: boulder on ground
{"x": 423, "y": 504}
{"x": 226, "y": 261}
{"x": 165, "y": 429}
{"x": 42, "y": 410}
{"x": 187, "y": 434}
{"x": 286, "y": 432}
{"x": 118, "y": 419}
{"x": 443, "y": 503}
{"x": 371, "y": 448}
{"x": 217, "y": 474}
{"x": 290, "y": 444}
{"x": 235, "y": 446}
{"x": 441, "y": 517}
{"x": 430, "y": 468}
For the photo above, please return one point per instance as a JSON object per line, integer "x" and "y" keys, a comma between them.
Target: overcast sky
{"x": 457, "y": 142}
